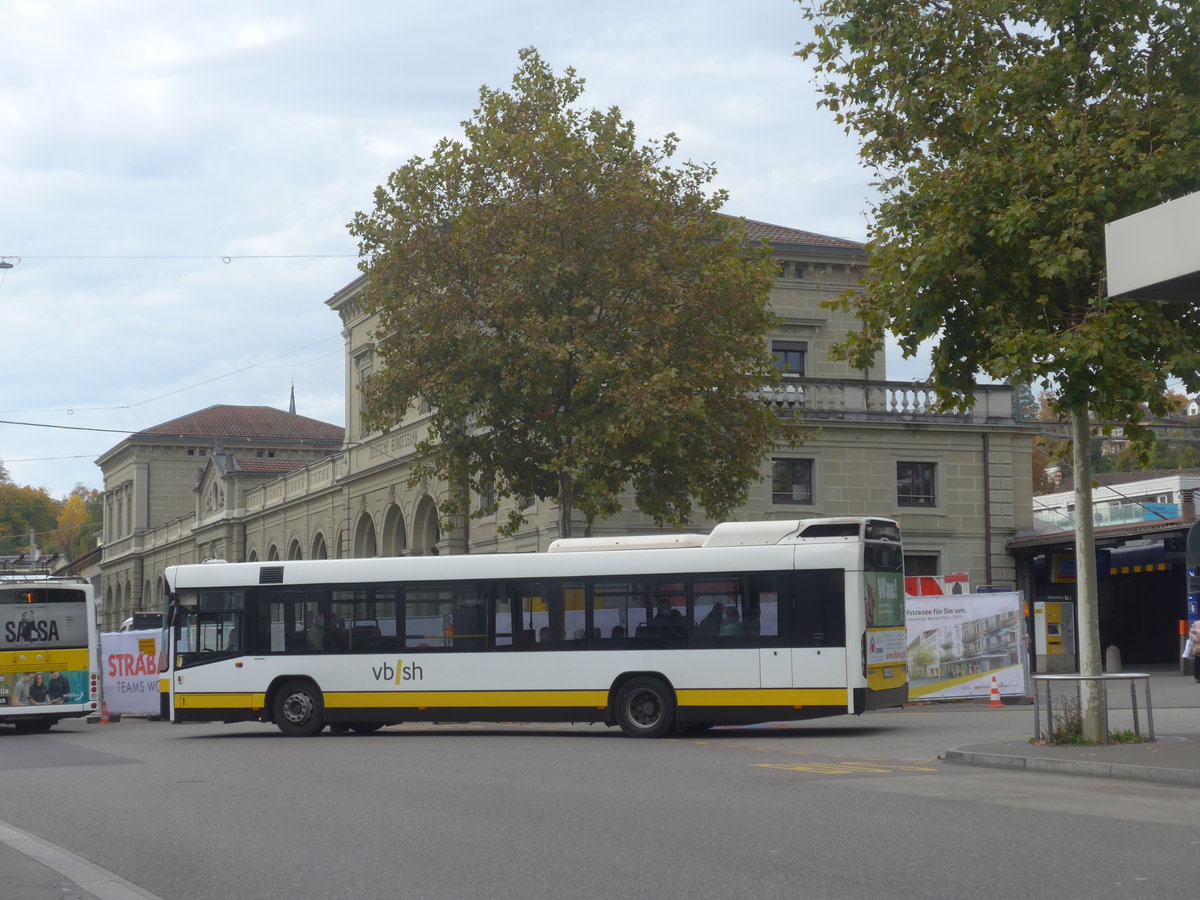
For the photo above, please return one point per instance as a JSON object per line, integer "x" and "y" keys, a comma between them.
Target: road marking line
{"x": 844, "y": 768}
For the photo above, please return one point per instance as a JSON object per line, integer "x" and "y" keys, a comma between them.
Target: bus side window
{"x": 506, "y": 623}
{"x": 233, "y": 634}
{"x": 285, "y": 618}
{"x": 541, "y": 611}
{"x": 761, "y": 615}
{"x": 712, "y": 601}
{"x": 817, "y": 612}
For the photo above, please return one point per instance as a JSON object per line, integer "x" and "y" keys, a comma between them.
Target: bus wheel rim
{"x": 645, "y": 709}
{"x": 298, "y": 708}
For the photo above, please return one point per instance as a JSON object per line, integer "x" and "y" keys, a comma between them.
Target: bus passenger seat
{"x": 364, "y": 637}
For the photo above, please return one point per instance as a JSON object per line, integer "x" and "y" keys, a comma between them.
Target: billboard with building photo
{"x": 958, "y": 643}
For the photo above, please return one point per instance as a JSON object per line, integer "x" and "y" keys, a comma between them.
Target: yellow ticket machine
{"x": 1054, "y": 635}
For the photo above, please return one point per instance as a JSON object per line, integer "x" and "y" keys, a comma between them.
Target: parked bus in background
{"x": 757, "y": 621}
{"x": 49, "y": 659}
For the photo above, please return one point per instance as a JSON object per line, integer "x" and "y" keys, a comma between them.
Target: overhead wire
{"x": 71, "y": 410}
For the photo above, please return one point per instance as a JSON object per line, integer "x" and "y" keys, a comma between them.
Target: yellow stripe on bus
{"x": 794, "y": 698}
{"x": 71, "y": 660}
{"x": 219, "y": 701}
{"x": 466, "y": 699}
{"x": 791, "y": 698}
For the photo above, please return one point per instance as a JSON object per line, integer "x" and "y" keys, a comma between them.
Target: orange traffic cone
{"x": 104, "y": 719}
{"x": 994, "y": 702}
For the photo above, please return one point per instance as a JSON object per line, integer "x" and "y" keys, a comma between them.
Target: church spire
{"x": 292, "y": 402}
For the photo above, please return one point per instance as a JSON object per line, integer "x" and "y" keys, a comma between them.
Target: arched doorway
{"x": 319, "y": 550}
{"x": 426, "y": 533}
{"x": 365, "y": 545}
{"x": 395, "y": 536}
{"x": 294, "y": 551}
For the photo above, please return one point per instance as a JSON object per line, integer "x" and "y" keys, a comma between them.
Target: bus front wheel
{"x": 298, "y": 709}
{"x": 646, "y": 708}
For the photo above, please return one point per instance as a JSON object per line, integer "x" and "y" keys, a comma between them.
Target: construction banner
{"x": 960, "y": 645}
{"x": 129, "y": 661}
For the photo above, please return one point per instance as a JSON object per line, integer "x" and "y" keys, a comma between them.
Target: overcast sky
{"x": 176, "y": 179}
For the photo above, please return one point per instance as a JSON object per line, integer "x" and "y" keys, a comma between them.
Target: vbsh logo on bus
{"x": 398, "y": 673}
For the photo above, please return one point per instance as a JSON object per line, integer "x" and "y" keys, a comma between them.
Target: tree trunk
{"x": 1085, "y": 584}
{"x": 566, "y": 504}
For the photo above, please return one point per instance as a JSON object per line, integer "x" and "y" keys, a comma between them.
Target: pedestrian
{"x": 1194, "y": 643}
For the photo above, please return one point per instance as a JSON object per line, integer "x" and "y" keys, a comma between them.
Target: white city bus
{"x": 755, "y": 622}
{"x": 49, "y": 658}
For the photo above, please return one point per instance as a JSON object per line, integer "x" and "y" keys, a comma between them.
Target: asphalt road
{"x": 838, "y": 808}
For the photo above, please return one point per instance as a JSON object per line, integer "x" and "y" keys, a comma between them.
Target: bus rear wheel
{"x": 646, "y": 708}
{"x": 298, "y": 710}
{"x": 35, "y": 725}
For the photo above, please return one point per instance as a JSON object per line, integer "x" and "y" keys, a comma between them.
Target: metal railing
{"x": 1057, "y": 691}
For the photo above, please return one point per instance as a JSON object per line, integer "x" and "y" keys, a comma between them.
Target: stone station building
{"x": 255, "y": 483}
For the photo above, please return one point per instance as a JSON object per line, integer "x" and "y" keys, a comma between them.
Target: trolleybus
{"x": 757, "y": 621}
{"x": 49, "y": 659}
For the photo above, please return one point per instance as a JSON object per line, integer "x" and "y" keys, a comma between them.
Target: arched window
{"x": 319, "y": 550}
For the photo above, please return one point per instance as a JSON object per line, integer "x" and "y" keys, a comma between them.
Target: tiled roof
{"x": 263, "y": 422}
{"x": 778, "y": 234}
{"x": 263, "y": 466}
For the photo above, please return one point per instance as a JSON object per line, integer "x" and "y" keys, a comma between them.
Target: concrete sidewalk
{"x": 1173, "y": 758}
{"x": 36, "y": 870}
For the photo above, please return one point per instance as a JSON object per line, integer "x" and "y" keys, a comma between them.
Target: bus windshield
{"x": 209, "y": 624}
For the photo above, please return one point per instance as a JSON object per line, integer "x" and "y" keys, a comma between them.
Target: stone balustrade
{"x": 821, "y": 398}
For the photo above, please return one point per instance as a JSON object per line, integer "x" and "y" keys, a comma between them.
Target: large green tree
{"x": 26, "y": 510}
{"x": 1005, "y": 134}
{"x": 574, "y": 311}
